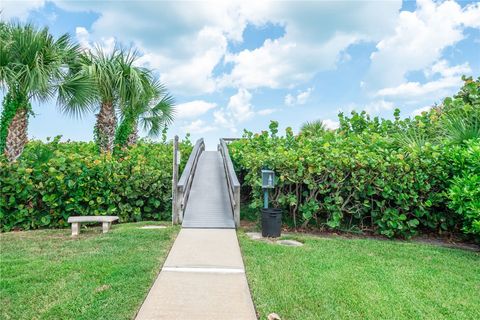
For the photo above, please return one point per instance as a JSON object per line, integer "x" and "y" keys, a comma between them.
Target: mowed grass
{"x": 46, "y": 274}
{"x": 337, "y": 278}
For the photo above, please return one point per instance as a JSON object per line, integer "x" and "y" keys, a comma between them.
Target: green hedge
{"x": 363, "y": 181}
{"x": 394, "y": 177}
{"x": 464, "y": 192}
{"x": 52, "y": 181}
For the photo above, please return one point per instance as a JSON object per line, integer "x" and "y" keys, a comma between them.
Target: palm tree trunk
{"x": 17, "y": 136}
{"x": 133, "y": 136}
{"x": 105, "y": 127}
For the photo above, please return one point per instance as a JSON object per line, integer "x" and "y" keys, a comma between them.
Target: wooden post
{"x": 176, "y": 160}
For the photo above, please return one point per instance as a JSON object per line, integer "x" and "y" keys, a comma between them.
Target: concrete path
{"x": 202, "y": 278}
{"x": 208, "y": 204}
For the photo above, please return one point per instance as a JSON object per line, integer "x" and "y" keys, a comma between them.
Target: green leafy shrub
{"x": 464, "y": 192}
{"x": 52, "y": 181}
{"x": 394, "y": 177}
{"x": 349, "y": 180}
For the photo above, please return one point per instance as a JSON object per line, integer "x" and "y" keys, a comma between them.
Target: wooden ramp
{"x": 209, "y": 203}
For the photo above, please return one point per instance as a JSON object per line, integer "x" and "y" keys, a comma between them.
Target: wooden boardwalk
{"x": 208, "y": 203}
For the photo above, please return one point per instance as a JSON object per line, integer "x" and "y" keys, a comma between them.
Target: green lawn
{"x": 336, "y": 278}
{"x": 46, "y": 274}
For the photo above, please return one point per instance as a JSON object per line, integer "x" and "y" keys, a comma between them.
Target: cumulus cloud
{"x": 299, "y": 99}
{"x": 198, "y": 127}
{"x": 224, "y": 120}
{"x": 83, "y": 37}
{"x": 449, "y": 80}
{"x": 19, "y": 9}
{"x": 419, "y": 111}
{"x": 309, "y": 47}
{"x": 266, "y": 112}
{"x": 419, "y": 39}
{"x": 239, "y": 105}
{"x": 239, "y": 109}
{"x": 331, "y": 124}
{"x": 193, "y": 109}
{"x": 85, "y": 41}
{"x": 371, "y": 107}
{"x": 192, "y": 74}
{"x": 187, "y": 40}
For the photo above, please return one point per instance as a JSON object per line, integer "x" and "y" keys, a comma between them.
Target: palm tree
{"x": 153, "y": 112}
{"x": 119, "y": 83}
{"x": 312, "y": 128}
{"x": 462, "y": 125}
{"x": 36, "y": 66}
{"x": 461, "y": 114}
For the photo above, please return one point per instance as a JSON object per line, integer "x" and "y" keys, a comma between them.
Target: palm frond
{"x": 312, "y": 128}
{"x": 462, "y": 125}
{"x": 157, "y": 116}
{"x": 76, "y": 95}
{"x": 42, "y": 67}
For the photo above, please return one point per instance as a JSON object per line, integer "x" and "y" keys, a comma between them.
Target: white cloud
{"x": 301, "y": 98}
{"x": 224, "y": 120}
{"x": 289, "y": 100}
{"x": 239, "y": 109}
{"x": 266, "y": 112}
{"x": 419, "y": 40}
{"x": 19, "y": 9}
{"x": 284, "y": 62}
{"x": 416, "y": 89}
{"x": 378, "y": 105}
{"x": 193, "y": 74}
{"x": 308, "y": 46}
{"x": 449, "y": 81}
{"x": 187, "y": 40}
{"x": 442, "y": 67}
{"x": 84, "y": 39}
{"x": 193, "y": 109}
{"x": 239, "y": 105}
{"x": 331, "y": 124}
{"x": 371, "y": 107}
{"x": 419, "y": 111}
{"x": 198, "y": 127}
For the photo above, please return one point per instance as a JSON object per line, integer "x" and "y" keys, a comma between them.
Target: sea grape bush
{"x": 52, "y": 181}
{"x": 361, "y": 181}
{"x": 464, "y": 192}
{"x": 393, "y": 177}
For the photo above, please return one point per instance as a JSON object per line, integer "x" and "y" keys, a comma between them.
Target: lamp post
{"x": 271, "y": 217}
{"x": 268, "y": 182}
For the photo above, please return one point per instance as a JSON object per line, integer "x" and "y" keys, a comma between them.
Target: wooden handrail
{"x": 232, "y": 181}
{"x": 185, "y": 182}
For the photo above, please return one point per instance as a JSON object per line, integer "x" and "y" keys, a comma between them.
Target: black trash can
{"x": 271, "y": 222}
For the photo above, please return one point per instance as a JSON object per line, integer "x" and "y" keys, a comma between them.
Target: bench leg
{"x": 106, "y": 226}
{"x": 75, "y": 228}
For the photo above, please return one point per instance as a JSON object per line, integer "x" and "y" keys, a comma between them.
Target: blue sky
{"x": 239, "y": 64}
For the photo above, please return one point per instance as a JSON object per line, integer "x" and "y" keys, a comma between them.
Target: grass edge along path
{"x": 46, "y": 274}
{"x": 338, "y": 278}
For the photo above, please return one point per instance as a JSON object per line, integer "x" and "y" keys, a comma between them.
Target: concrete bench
{"x": 105, "y": 220}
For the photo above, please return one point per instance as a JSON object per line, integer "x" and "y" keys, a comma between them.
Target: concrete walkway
{"x": 202, "y": 278}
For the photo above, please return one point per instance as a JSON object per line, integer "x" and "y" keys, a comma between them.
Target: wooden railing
{"x": 232, "y": 181}
{"x": 182, "y": 192}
